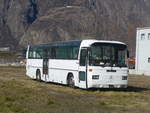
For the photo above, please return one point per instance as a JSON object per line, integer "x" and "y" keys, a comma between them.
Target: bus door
{"x": 45, "y": 66}
{"x": 83, "y": 68}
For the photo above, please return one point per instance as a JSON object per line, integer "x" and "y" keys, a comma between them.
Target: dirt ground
{"x": 20, "y": 94}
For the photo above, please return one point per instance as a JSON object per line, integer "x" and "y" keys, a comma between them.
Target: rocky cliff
{"x": 24, "y": 22}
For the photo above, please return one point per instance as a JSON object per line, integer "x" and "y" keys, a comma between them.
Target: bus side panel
{"x": 59, "y": 69}
{"x": 32, "y": 66}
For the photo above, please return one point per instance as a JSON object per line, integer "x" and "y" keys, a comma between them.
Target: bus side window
{"x": 83, "y": 57}
{"x": 30, "y": 55}
{"x": 49, "y": 54}
{"x": 75, "y": 52}
{"x": 38, "y": 53}
{"x": 53, "y": 52}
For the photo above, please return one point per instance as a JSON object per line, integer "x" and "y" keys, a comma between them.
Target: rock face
{"x": 24, "y": 22}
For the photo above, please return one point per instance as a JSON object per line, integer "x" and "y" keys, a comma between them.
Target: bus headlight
{"x": 95, "y": 77}
{"x": 124, "y": 77}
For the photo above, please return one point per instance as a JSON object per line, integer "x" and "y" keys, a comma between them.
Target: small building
{"x": 142, "y": 65}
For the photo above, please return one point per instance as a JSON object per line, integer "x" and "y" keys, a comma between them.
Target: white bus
{"x": 84, "y": 64}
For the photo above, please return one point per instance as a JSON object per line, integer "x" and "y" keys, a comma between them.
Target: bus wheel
{"x": 38, "y": 75}
{"x": 70, "y": 81}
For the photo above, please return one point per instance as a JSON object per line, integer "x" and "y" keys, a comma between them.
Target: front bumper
{"x": 109, "y": 86}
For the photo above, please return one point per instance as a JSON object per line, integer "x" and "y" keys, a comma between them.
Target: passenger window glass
{"x": 148, "y": 36}
{"x": 75, "y": 52}
{"x": 142, "y": 36}
{"x": 148, "y": 60}
{"x": 39, "y": 53}
{"x": 64, "y": 52}
{"x": 61, "y": 53}
{"x": 30, "y": 53}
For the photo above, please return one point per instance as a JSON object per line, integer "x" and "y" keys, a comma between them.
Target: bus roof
{"x": 90, "y": 42}
{"x": 85, "y": 43}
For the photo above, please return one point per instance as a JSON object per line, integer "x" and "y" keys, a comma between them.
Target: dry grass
{"x": 8, "y": 55}
{"x": 19, "y": 94}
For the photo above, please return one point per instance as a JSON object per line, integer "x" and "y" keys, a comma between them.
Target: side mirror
{"x": 128, "y": 53}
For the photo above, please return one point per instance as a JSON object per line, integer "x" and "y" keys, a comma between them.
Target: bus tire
{"x": 70, "y": 81}
{"x": 38, "y": 75}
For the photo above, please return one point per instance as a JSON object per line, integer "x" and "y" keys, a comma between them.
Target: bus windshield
{"x": 108, "y": 55}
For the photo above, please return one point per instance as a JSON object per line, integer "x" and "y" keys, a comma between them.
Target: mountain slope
{"x": 36, "y": 21}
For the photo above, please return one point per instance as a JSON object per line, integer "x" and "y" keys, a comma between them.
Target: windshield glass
{"x": 106, "y": 54}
